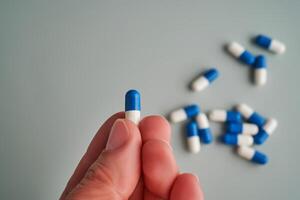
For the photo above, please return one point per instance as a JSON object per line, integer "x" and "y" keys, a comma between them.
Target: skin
{"x": 126, "y": 161}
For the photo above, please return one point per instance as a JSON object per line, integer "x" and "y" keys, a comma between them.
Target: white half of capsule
{"x": 218, "y": 115}
{"x": 277, "y": 47}
{"x": 193, "y": 143}
{"x": 178, "y": 116}
{"x": 202, "y": 121}
{"x": 260, "y": 76}
{"x": 270, "y": 126}
{"x": 250, "y": 129}
{"x": 246, "y": 152}
{"x": 133, "y": 115}
{"x": 245, "y": 110}
{"x": 200, "y": 84}
{"x": 235, "y": 49}
{"x": 245, "y": 140}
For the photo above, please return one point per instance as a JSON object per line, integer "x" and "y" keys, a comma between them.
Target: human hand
{"x": 125, "y": 161}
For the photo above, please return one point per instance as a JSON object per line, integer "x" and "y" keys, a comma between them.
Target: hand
{"x": 125, "y": 161}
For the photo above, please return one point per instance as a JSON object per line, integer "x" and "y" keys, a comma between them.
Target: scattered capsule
{"x": 205, "y": 80}
{"x": 193, "y": 140}
{"x": 204, "y": 128}
{"x": 250, "y": 115}
{"x": 240, "y": 140}
{"x": 184, "y": 113}
{"x": 242, "y": 128}
{"x": 133, "y": 106}
{"x": 260, "y": 70}
{"x": 271, "y": 44}
{"x": 238, "y": 51}
{"x": 252, "y": 154}
{"x": 225, "y": 116}
{"x": 267, "y": 130}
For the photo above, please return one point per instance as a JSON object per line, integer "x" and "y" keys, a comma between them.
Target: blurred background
{"x": 66, "y": 65}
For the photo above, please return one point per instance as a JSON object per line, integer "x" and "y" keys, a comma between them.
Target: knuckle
{"x": 99, "y": 172}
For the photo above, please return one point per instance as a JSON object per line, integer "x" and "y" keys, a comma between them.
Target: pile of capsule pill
{"x": 244, "y": 127}
{"x": 257, "y": 63}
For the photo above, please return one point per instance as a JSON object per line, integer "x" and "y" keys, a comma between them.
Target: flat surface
{"x": 65, "y": 66}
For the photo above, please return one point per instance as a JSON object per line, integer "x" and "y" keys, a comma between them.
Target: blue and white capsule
{"x": 267, "y": 130}
{"x": 260, "y": 70}
{"x": 193, "y": 139}
{"x": 250, "y": 115}
{"x": 205, "y": 80}
{"x": 238, "y": 51}
{"x": 185, "y": 113}
{"x": 242, "y": 128}
{"x": 239, "y": 140}
{"x": 273, "y": 45}
{"x": 204, "y": 130}
{"x": 225, "y": 116}
{"x": 133, "y": 106}
{"x": 252, "y": 155}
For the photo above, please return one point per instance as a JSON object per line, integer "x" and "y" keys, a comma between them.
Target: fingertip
{"x": 188, "y": 177}
{"x": 155, "y": 127}
{"x": 98, "y": 143}
{"x": 111, "y": 120}
{"x": 120, "y": 114}
{"x": 186, "y": 184}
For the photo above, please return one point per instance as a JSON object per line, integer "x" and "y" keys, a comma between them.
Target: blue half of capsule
{"x": 211, "y": 74}
{"x": 232, "y": 116}
{"x": 205, "y": 135}
{"x": 257, "y": 119}
{"x": 260, "y": 158}
{"x": 191, "y": 129}
{"x": 260, "y": 62}
{"x": 247, "y": 57}
{"x": 234, "y": 127}
{"x": 263, "y": 41}
{"x": 261, "y": 137}
{"x": 132, "y": 100}
{"x": 191, "y": 110}
{"x": 230, "y": 139}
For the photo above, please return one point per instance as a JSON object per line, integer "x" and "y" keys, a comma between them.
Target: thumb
{"x": 115, "y": 174}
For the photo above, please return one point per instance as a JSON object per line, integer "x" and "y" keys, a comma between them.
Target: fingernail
{"x": 118, "y": 135}
{"x": 196, "y": 177}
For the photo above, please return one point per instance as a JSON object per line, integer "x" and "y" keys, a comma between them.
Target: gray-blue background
{"x": 65, "y": 66}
